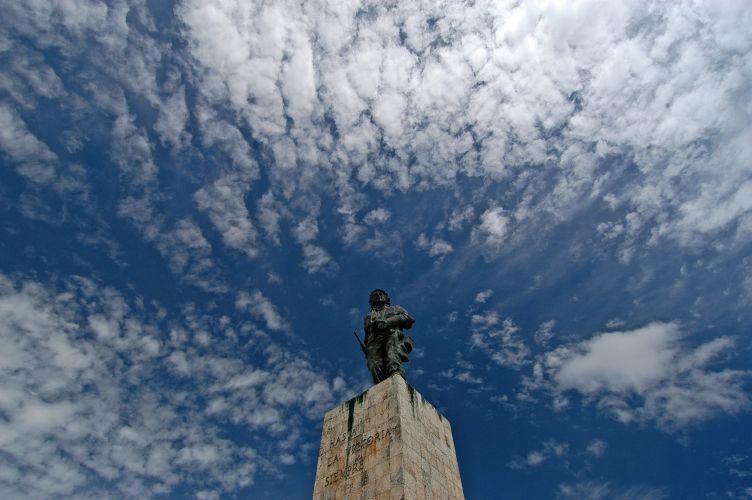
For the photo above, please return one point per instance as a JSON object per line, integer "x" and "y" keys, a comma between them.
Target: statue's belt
{"x": 382, "y": 335}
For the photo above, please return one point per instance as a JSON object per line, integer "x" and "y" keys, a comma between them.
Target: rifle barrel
{"x": 362, "y": 346}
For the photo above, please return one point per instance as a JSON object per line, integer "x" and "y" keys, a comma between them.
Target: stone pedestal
{"x": 387, "y": 443}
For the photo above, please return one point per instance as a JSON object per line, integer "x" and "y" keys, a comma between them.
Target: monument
{"x": 386, "y": 346}
{"x": 389, "y": 442}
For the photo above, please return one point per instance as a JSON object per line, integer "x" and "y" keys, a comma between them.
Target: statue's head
{"x": 378, "y": 298}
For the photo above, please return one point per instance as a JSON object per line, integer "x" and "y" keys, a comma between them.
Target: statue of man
{"x": 385, "y": 345}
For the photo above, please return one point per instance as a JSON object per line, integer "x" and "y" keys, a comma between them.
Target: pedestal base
{"x": 387, "y": 443}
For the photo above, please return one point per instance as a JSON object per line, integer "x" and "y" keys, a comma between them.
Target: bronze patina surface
{"x": 386, "y": 345}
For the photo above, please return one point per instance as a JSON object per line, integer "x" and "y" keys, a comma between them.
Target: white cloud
{"x": 274, "y": 278}
{"x": 561, "y": 106}
{"x": 614, "y": 323}
{"x": 114, "y": 58}
{"x": 173, "y": 118}
{"x": 224, "y": 200}
{"x": 534, "y": 458}
{"x": 34, "y": 158}
{"x": 377, "y": 216}
{"x": 435, "y": 246}
{"x": 181, "y": 242}
{"x": 646, "y": 374}
{"x": 463, "y": 376}
{"x": 596, "y": 448}
{"x": 416, "y": 98}
{"x": 738, "y": 466}
{"x": 447, "y": 99}
{"x": 188, "y": 253}
{"x": 486, "y": 319}
{"x": 482, "y": 297}
{"x": 27, "y": 77}
{"x": 597, "y": 490}
{"x": 269, "y": 217}
{"x": 501, "y": 342}
{"x": 459, "y": 217}
{"x": 261, "y": 307}
{"x": 621, "y": 361}
{"x": 218, "y": 132}
{"x": 545, "y": 332}
{"x": 315, "y": 258}
{"x": 306, "y": 230}
{"x": 87, "y": 405}
{"x": 492, "y": 228}
{"x": 585, "y": 490}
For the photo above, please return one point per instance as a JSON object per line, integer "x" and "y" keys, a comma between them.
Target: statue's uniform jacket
{"x": 387, "y": 348}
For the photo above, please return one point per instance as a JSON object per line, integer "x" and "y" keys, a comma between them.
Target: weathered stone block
{"x": 387, "y": 443}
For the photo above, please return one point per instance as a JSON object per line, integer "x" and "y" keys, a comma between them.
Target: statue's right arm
{"x": 402, "y": 319}
{"x": 366, "y": 329}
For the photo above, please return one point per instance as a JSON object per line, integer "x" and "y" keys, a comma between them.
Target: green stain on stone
{"x": 351, "y": 409}
{"x": 441, "y": 417}
{"x": 361, "y": 397}
{"x": 412, "y": 398}
{"x": 350, "y": 414}
{"x": 351, "y": 419}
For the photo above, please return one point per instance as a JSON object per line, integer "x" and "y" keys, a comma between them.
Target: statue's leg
{"x": 376, "y": 360}
{"x": 394, "y": 356}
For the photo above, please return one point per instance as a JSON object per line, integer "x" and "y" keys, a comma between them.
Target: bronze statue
{"x": 386, "y": 346}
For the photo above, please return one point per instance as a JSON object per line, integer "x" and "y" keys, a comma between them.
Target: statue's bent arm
{"x": 400, "y": 319}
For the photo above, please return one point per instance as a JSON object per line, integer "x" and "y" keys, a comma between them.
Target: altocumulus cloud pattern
{"x": 197, "y": 196}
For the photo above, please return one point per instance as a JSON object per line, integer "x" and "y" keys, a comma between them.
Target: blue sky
{"x": 197, "y": 197}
